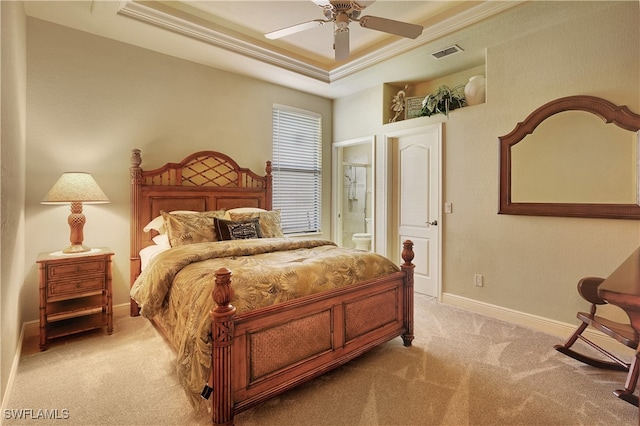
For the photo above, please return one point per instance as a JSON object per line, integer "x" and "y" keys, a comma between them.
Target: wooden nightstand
{"x": 75, "y": 293}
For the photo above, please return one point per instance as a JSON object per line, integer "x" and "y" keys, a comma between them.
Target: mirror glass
{"x": 573, "y": 157}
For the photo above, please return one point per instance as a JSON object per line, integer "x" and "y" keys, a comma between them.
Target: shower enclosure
{"x": 353, "y": 194}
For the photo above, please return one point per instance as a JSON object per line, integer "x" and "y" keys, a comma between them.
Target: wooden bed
{"x": 353, "y": 319}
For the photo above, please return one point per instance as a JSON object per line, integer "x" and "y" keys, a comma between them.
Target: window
{"x": 297, "y": 140}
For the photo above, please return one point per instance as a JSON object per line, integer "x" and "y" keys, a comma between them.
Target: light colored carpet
{"x": 463, "y": 369}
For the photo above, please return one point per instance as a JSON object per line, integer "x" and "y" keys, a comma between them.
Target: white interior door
{"x": 418, "y": 217}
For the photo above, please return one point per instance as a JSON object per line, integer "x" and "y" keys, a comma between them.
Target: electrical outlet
{"x": 478, "y": 280}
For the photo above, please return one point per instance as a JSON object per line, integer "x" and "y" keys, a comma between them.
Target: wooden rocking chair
{"x": 623, "y": 333}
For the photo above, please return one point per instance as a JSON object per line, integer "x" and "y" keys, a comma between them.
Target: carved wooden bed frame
{"x": 353, "y": 319}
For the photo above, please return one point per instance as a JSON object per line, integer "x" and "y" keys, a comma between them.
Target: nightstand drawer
{"x": 61, "y": 270}
{"x": 76, "y": 286}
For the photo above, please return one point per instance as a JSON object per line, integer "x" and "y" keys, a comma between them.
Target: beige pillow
{"x": 227, "y": 215}
{"x": 191, "y": 228}
{"x": 157, "y": 224}
{"x": 270, "y": 225}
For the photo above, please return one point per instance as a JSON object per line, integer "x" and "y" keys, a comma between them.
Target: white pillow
{"x": 148, "y": 253}
{"x": 157, "y": 224}
{"x": 242, "y": 210}
{"x": 162, "y": 240}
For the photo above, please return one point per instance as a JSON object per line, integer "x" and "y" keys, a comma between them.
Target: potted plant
{"x": 443, "y": 100}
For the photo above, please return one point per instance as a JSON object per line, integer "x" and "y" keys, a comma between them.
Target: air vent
{"x": 447, "y": 51}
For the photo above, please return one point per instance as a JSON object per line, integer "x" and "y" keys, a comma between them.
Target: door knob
{"x": 434, "y": 223}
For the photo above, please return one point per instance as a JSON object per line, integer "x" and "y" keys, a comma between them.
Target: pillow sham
{"x": 191, "y": 228}
{"x": 227, "y": 215}
{"x": 270, "y": 224}
{"x": 157, "y": 224}
{"x": 237, "y": 230}
{"x": 161, "y": 240}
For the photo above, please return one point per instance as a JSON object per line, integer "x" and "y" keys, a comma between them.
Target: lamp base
{"x": 76, "y": 248}
{"x": 76, "y": 222}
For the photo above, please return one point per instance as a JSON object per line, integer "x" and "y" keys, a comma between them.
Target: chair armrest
{"x": 588, "y": 289}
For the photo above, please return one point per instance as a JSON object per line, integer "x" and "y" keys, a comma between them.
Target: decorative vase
{"x": 474, "y": 91}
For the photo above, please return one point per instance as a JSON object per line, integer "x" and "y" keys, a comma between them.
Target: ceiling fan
{"x": 341, "y": 13}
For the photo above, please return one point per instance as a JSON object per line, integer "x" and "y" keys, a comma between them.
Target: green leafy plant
{"x": 443, "y": 100}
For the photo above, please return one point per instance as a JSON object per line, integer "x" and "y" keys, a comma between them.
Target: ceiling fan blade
{"x": 390, "y": 26}
{"x": 295, "y": 29}
{"x": 322, "y": 3}
{"x": 341, "y": 44}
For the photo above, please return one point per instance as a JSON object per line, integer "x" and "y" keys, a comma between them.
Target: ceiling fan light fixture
{"x": 342, "y": 21}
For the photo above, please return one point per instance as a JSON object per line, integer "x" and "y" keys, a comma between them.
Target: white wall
{"x": 90, "y": 100}
{"x": 13, "y": 42}
{"x": 530, "y": 264}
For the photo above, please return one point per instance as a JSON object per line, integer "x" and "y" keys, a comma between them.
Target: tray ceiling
{"x": 229, "y": 35}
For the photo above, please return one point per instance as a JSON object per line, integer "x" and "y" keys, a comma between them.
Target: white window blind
{"x": 297, "y": 139}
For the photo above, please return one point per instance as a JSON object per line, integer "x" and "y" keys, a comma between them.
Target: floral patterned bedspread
{"x": 176, "y": 287}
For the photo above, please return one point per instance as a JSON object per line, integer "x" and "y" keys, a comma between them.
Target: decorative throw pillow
{"x": 237, "y": 230}
{"x": 246, "y": 210}
{"x": 191, "y": 228}
{"x": 270, "y": 225}
{"x": 157, "y": 224}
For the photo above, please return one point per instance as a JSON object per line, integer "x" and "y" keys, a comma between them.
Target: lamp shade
{"x": 74, "y": 187}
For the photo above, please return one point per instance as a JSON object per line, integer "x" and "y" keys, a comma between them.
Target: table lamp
{"x": 75, "y": 188}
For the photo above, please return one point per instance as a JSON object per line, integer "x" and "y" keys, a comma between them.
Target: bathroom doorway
{"x": 353, "y": 193}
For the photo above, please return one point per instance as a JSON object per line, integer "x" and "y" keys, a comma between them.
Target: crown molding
{"x": 162, "y": 19}
{"x": 158, "y": 18}
{"x": 430, "y": 34}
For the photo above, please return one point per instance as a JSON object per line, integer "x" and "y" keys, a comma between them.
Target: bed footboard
{"x": 262, "y": 353}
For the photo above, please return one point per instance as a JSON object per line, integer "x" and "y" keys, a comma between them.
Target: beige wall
{"x": 530, "y": 264}
{"x": 535, "y": 262}
{"x": 13, "y": 40}
{"x": 90, "y": 100}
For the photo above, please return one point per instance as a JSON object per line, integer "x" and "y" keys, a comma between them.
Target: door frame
{"x": 337, "y": 186}
{"x": 390, "y": 185}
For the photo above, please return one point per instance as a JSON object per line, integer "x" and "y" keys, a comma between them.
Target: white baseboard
{"x": 13, "y": 372}
{"x": 545, "y": 325}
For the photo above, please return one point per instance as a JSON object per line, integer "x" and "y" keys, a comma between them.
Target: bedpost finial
{"x": 136, "y": 160}
{"x": 268, "y": 168}
{"x": 407, "y": 252}
{"x": 223, "y": 292}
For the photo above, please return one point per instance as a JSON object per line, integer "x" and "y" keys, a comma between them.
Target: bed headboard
{"x": 203, "y": 181}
